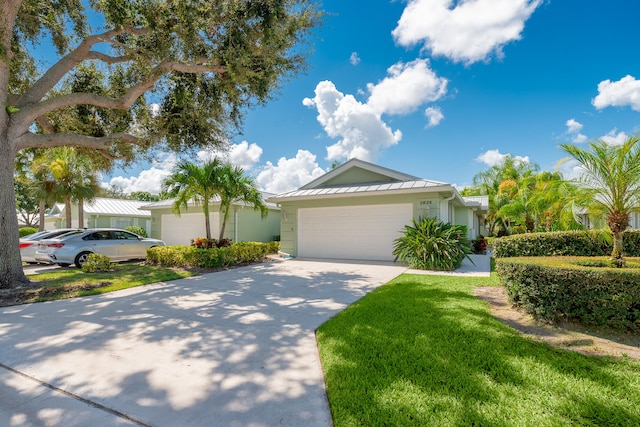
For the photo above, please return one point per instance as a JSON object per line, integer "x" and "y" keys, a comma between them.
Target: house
{"x": 243, "y": 225}
{"x": 358, "y": 209}
{"x": 101, "y": 212}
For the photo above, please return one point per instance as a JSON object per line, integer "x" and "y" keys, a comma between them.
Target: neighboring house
{"x": 358, "y": 209}
{"x": 102, "y": 212}
{"x": 243, "y": 225}
{"x": 583, "y": 217}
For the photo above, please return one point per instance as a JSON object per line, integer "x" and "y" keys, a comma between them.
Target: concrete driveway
{"x": 233, "y": 348}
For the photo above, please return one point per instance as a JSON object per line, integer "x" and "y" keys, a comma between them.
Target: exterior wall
{"x": 250, "y": 226}
{"x": 356, "y": 176}
{"x": 424, "y": 204}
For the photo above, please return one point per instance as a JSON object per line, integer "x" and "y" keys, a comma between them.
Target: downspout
{"x": 445, "y": 203}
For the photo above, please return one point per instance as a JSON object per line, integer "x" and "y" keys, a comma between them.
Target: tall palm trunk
{"x": 67, "y": 210}
{"x": 42, "y": 205}
{"x": 80, "y": 213}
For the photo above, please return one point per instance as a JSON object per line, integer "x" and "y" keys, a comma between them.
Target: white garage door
{"x": 179, "y": 230}
{"x": 352, "y": 232}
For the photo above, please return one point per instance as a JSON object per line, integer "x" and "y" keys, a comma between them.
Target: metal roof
{"x": 483, "y": 201}
{"x": 409, "y": 186}
{"x": 115, "y": 207}
{"x": 168, "y": 203}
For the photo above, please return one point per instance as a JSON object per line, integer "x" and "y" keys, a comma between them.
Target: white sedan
{"x": 75, "y": 247}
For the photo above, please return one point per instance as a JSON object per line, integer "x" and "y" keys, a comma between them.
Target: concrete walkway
{"x": 233, "y": 348}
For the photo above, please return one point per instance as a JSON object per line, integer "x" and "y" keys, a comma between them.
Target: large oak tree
{"x": 202, "y": 62}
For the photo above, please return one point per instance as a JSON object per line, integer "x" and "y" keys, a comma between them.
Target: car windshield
{"x": 35, "y": 235}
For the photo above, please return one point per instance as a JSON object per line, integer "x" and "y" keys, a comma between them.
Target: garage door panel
{"x": 179, "y": 230}
{"x": 352, "y": 232}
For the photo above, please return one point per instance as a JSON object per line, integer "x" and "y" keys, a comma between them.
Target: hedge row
{"x": 561, "y": 289}
{"x": 189, "y": 256}
{"x": 564, "y": 243}
{"x": 25, "y": 231}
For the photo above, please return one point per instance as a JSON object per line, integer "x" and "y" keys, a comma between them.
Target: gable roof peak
{"x": 361, "y": 164}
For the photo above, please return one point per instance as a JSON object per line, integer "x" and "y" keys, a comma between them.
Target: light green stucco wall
{"x": 251, "y": 226}
{"x": 356, "y": 176}
{"x": 423, "y": 204}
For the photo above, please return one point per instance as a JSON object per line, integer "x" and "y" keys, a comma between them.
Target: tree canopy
{"x": 180, "y": 74}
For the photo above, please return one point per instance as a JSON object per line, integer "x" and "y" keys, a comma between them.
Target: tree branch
{"x": 32, "y": 140}
{"x": 45, "y": 124}
{"x": 69, "y": 61}
{"x": 107, "y": 58}
{"x": 29, "y": 114}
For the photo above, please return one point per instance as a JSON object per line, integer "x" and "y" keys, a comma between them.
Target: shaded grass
{"x": 423, "y": 350}
{"x": 70, "y": 283}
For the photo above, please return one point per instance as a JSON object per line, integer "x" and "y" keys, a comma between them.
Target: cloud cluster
{"x": 361, "y": 130}
{"x": 434, "y": 115}
{"x": 624, "y": 92}
{"x": 289, "y": 174}
{"x": 615, "y": 138}
{"x": 468, "y": 32}
{"x": 573, "y": 129}
{"x": 149, "y": 180}
{"x": 494, "y": 158}
{"x": 244, "y": 155}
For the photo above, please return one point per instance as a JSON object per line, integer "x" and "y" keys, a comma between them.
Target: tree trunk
{"x": 618, "y": 223}
{"x": 225, "y": 216}
{"x": 11, "y": 273}
{"x": 41, "y": 207}
{"x": 207, "y": 224}
{"x": 80, "y": 213}
{"x": 67, "y": 210}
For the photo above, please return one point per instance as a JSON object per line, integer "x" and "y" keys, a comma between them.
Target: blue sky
{"x": 442, "y": 89}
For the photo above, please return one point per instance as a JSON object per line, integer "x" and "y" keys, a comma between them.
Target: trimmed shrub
{"x": 137, "y": 230}
{"x": 561, "y": 288}
{"x": 563, "y": 243}
{"x": 25, "y": 231}
{"x": 96, "y": 263}
{"x": 191, "y": 256}
{"x": 430, "y": 244}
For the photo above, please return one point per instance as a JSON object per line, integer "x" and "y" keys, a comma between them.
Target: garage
{"x": 179, "y": 230}
{"x": 352, "y": 232}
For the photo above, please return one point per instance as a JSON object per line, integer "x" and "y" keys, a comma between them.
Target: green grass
{"x": 70, "y": 283}
{"x": 424, "y": 351}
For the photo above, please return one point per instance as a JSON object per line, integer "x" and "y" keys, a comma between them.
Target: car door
{"x": 102, "y": 242}
{"x": 129, "y": 246}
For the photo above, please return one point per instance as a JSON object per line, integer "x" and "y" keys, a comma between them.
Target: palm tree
{"x": 198, "y": 183}
{"x": 611, "y": 180}
{"x": 238, "y": 187}
{"x": 74, "y": 178}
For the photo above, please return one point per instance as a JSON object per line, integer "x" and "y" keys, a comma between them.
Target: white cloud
{"x": 362, "y": 132}
{"x": 570, "y": 168}
{"x": 494, "y": 158}
{"x": 435, "y": 116}
{"x": 354, "y": 59}
{"x": 289, "y": 174}
{"x": 407, "y": 87}
{"x": 149, "y": 180}
{"x": 624, "y": 92}
{"x": 468, "y": 32}
{"x": 244, "y": 155}
{"x": 573, "y": 128}
{"x": 613, "y": 138}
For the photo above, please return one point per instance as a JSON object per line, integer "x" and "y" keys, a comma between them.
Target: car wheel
{"x": 81, "y": 259}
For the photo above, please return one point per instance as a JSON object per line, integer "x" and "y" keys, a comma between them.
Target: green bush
{"x": 560, "y": 288}
{"x": 25, "y": 231}
{"x": 137, "y": 230}
{"x": 564, "y": 243}
{"x": 96, "y": 263}
{"x": 430, "y": 244}
{"x": 190, "y": 256}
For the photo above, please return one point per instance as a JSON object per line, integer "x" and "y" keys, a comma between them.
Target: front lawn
{"x": 73, "y": 282}
{"x": 423, "y": 350}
